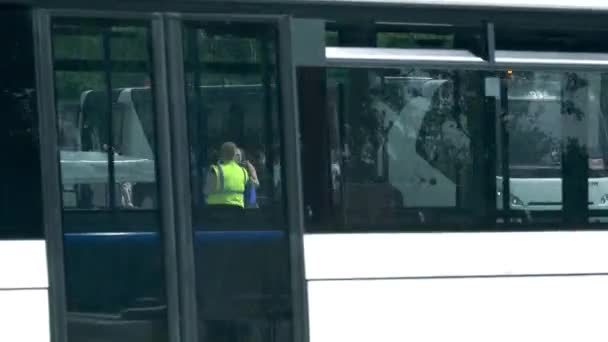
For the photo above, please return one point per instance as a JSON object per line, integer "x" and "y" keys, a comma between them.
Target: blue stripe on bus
{"x": 259, "y": 235}
{"x": 110, "y": 236}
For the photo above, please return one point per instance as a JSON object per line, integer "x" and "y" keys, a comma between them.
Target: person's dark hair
{"x": 228, "y": 151}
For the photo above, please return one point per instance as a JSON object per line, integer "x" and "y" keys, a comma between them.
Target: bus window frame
{"x": 289, "y": 154}
{"x": 528, "y": 61}
{"x": 52, "y": 194}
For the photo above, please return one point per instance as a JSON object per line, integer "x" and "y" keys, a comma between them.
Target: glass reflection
{"x": 400, "y": 146}
{"x": 556, "y": 135}
{"x": 113, "y": 249}
{"x": 241, "y": 250}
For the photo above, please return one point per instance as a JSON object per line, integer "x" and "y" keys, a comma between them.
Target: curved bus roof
{"x": 585, "y": 5}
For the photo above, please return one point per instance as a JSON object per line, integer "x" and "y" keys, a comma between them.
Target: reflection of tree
{"x": 529, "y": 141}
{"x": 378, "y": 104}
{"x": 130, "y": 44}
{"x": 360, "y": 127}
{"x": 541, "y": 126}
{"x": 444, "y": 138}
{"x": 573, "y": 83}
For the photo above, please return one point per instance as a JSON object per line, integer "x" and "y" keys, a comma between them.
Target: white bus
{"x": 429, "y": 171}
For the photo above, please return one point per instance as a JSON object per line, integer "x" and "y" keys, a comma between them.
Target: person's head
{"x": 228, "y": 152}
{"x": 239, "y": 155}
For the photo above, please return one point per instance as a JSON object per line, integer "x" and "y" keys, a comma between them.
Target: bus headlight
{"x": 515, "y": 201}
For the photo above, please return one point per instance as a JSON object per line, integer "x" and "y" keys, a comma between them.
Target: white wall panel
{"x": 23, "y": 264}
{"x": 346, "y": 256}
{"x": 532, "y": 309}
{"x": 24, "y": 316}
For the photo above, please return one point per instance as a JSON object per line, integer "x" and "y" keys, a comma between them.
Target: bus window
{"x": 232, "y": 97}
{"x": 240, "y": 242}
{"x": 534, "y": 148}
{"x": 396, "y": 147}
{"x": 113, "y": 248}
{"x": 556, "y": 138}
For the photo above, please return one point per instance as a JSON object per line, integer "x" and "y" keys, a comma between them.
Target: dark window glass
{"x": 331, "y": 38}
{"x": 423, "y": 149}
{"x": 241, "y": 248}
{"x": 112, "y": 241}
{"x": 405, "y": 36}
{"x": 551, "y": 39}
{"x": 415, "y": 40}
{"x": 234, "y": 99}
{"x": 556, "y": 133}
{"x": 106, "y": 131}
{"x": 20, "y": 185}
{"x": 392, "y": 150}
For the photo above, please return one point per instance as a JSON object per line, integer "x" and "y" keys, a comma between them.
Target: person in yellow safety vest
{"x": 226, "y": 181}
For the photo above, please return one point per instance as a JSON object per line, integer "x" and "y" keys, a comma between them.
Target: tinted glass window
{"x": 241, "y": 248}
{"x": 20, "y": 186}
{"x": 423, "y": 149}
{"x": 399, "y": 148}
{"x": 106, "y": 126}
{"x": 112, "y": 236}
{"x": 556, "y": 137}
{"x": 404, "y": 36}
{"x": 551, "y": 39}
{"x": 234, "y": 99}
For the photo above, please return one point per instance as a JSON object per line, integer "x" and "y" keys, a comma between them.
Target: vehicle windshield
{"x": 547, "y": 109}
{"x": 535, "y": 121}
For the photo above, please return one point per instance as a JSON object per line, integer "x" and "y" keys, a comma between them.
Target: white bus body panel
{"x": 24, "y": 303}
{"x": 24, "y": 315}
{"x": 560, "y": 309}
{"x": 545, "y": 286}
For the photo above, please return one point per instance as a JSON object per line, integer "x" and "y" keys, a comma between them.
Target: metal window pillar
{"x": 295, "y": 212}
{"x": 166, "y": 176}
{"x": 51, "y": 187}
{"x": 181, "y": 174}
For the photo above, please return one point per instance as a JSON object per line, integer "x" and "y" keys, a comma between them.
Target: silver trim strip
{"x": 338, "y": 56}
{"x": 363, "y": 57}
{"x": 551, "y": 58}
{"x": 581, "y": 5}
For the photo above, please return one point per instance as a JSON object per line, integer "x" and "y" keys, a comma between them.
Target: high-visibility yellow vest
{"x": 230, "y": 185}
